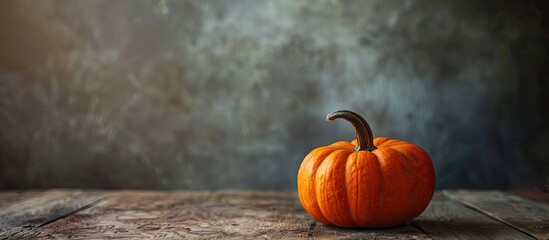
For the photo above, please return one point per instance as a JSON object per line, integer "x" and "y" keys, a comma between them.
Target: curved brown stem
{"x": 364, "y": 135}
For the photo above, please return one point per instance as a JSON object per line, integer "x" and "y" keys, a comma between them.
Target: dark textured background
{"x": 233, "y": 94}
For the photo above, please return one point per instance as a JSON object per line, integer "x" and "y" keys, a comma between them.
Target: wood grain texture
{"x": 12, "y": 196}
{"x": 250, "y": 215}
{"x": 21, "y": 213}
{"x": 446, "y": 219}
{"x": 533, "y": 194}
{"x": 528, "y": 216}
{"x": 206, "y": 215}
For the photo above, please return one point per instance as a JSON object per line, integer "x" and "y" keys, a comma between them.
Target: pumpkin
{"x": 367, "y": 182}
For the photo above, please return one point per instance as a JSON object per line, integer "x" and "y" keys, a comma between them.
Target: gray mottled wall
{"x": 233, "y": 94}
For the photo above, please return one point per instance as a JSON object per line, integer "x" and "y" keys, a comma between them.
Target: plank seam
{"x": 417, "y": 226}
{"x": 480, "y": 210}
{"x": 86, "y": 206}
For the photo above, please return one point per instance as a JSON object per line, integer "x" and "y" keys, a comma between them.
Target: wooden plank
{"x": 528, "y": 216}
{"x": 533, "y": 194}
{"x": 446, "y": 219}
{"x": 19, "y": 218}
{"x": 12, "y": 196}
{"x": 214, "y": 215}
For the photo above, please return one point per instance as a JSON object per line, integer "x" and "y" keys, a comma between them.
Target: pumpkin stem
{"x": 364, "y": 135}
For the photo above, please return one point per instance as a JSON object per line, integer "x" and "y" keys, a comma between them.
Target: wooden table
{"x": 457, "y": 214}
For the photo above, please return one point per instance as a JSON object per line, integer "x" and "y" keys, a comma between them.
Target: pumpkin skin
{"x": 387, "y": 186}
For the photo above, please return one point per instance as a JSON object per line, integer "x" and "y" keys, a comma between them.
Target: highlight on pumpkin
{"x": 368, "y": 182}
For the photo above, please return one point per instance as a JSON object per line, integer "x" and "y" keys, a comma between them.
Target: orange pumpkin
{"x": 368, "y": 182}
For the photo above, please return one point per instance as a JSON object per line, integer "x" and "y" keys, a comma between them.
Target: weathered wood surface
{"x": 528, "y": 216}
{"x": 238, "y": 215}
{"x": 9, "y": 198}
{"x": 253, "y": 215}
{"x": 22, "y": 212}
{"x": 533, "y": 194}
{"x": 445, "y": 219}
